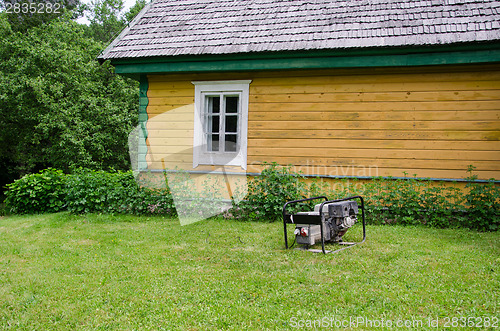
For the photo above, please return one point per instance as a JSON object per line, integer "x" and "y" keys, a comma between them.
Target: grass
{"x": 62, "y": 271}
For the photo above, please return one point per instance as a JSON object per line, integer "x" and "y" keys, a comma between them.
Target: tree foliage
{"x": 135, "y": 9}
{"x": 58, "y": 106}
{"x": 105, "y": 19}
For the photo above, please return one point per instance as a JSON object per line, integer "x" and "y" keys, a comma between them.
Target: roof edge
{"x": 362, "y": 51}
{"x": 101, "y": 57}
{"x": 388, "y": 57}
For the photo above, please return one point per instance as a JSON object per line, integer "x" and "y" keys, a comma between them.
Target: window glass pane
{"x": 213, "y": 104}
{"x": 231, "y": 124}
{"x": 232, "y": 105}
{"x": 230, "y": 143}
{"x": 213, "y": 142}
{"x": 213, "y": 124}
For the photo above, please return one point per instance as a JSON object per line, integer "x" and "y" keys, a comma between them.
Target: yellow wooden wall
{"x": 432, "y": 122}
{"x": 170, "y": 122}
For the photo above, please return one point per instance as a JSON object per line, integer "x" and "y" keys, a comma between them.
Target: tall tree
{"x": 58, "y": 106}
{"x": 105, "y": 19}
{"x": 135, "y": 9}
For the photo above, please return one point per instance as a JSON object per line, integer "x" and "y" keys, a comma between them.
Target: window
{"x": 220, "y": 124}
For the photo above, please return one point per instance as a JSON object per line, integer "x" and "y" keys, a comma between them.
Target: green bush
{"x": 407, "y": 201}
{"x": 43, "y": 192}
{"x": 412, "y": 201}
{"x": 91, "y": 191}
{"x": 268, "y": 193}
{"x": 85, "y": 191}
{"x": 114, "y": 192}
{"x": 483, "y": 204}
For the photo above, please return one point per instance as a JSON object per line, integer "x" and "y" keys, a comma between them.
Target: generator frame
{"x": 319, "y": 220}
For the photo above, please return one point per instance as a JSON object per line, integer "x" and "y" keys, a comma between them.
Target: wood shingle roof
{"x": 199, "y": 27}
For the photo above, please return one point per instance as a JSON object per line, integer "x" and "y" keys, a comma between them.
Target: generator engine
{"x": 339, "y": 217}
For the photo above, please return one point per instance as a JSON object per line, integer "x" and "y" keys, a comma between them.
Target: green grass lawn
{"x": 63, "y": 271}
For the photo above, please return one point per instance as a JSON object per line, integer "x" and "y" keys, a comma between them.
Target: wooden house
{"x": 337, "y": 89}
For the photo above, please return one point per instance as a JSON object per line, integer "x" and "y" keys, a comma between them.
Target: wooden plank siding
{"x": 432, "y": 122}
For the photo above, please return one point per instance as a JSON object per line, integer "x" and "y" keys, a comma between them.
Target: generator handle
{"x": 322, "y": 217}
{"x": 293, "y": 202}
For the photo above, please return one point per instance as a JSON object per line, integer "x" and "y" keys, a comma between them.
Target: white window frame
{"x": 202, "y": 90}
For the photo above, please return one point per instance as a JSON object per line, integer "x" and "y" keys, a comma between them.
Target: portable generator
{"x": 328, "y": 222}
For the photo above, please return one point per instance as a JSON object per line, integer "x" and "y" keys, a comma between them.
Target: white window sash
{"x": 223, "y": 88}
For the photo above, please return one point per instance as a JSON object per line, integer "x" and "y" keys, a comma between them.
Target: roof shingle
{"x": 198, "y": 27}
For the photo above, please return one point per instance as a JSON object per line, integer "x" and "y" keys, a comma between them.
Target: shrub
{"x": 93, "y": 191}
{"x": 411, "y": 201}
{"x": 114, "y": 192}
{"x": 483, "y": 204}
{"x": 387, "y": 201}
{"x": 407, "y": 201}
{"x": 43, "y": 192}
{"x": 268, "y": 193}
{"x": 85, "y": 191}
{"x": 440, "y": 205}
